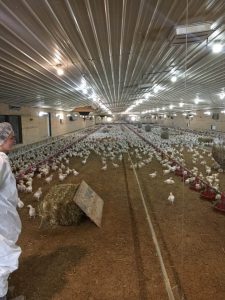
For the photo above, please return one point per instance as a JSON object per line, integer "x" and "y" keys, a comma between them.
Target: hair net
{"x": 5, "y": 130}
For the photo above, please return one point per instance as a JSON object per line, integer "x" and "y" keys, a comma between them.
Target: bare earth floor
{"x": 119, "y": 260}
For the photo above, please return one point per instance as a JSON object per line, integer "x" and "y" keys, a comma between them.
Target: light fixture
{"x": 147, "y": 95}
{"x": 184, "y": 114}
{"x": 196, "y": 100}
{"x": 42, "y": 113}
{"x": 222, "y": 95}
{"x": 60, "y": 70}
{"x": 217, "y": 47}
{"x": 163, "y": 108}
{"x": 173, "y": 78}
{"x": 181, "y": 104}
{"x": 60, "y": 116}
{"x": 208, "y": 113}
{"x": 171, "y": 106}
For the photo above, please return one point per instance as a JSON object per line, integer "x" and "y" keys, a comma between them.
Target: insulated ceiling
{"x": 120, "y": 50}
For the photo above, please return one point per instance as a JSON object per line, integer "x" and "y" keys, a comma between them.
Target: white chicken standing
{"x": 75, "y": 173}
{"x": 38, "y": 194}
{"x": 49, "y": 179}
{"x": 32, "y": 211}
{"x": 104, "y": 168}
{"x": 171, "y": 198}
{"x": 153, "y": 175}
{"x": 20, "y": 203}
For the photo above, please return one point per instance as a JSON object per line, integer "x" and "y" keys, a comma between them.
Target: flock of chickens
{"x": 52, "y": 159}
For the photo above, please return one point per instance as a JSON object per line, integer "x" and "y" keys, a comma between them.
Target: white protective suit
{"x": 10, "y": 224}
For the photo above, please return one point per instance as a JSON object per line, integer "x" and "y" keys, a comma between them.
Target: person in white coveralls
{"x": 10, "y": 224}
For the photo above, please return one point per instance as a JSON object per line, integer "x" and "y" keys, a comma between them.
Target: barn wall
{"x": 199, "y": 122}
{"x": 35, "y": 128}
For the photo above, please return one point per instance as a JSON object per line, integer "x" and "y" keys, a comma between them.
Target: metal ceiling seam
{"x": 106, "y": 6}
{"x": 12, "y": 45}
{"x": 156, "y": 56}
{"x": 121, "y": 47}
{"x": 32, "y": 75}
{"x": 90, "y": 15}
{"x": 79, "y": 57}
{"x": 74, "y": 49}
{"x": 141, "y": 7}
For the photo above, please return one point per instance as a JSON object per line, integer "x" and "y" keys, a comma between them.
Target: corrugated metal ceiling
{"x": 121, "y": 48}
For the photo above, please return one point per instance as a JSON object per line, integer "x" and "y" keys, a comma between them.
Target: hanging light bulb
{"x": 196, "y": 100}
{"x": 60, "y": 72}
{"x": 181, "y": 104}
{"x": 173, "y": 78}
{"x": 222, "y": 95}
{"x": 217, "y": 47}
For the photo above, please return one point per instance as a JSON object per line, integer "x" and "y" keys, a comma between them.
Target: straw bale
{"x": 58, "y": 206}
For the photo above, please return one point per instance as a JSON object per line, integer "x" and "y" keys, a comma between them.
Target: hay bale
{"x": 58, "y": 207}
{"x": 148, "y": 128}
{"x": 218, "y": 153}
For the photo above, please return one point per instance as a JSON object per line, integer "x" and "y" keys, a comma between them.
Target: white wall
{"x": 35, "y": 128}
{"x": 199, "y": 122}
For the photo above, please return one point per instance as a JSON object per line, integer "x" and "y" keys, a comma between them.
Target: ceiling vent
{"x": 193, "y": 33}
{"x": 13, "y": 107}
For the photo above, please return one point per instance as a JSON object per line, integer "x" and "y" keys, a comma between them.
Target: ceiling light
{"x": 173, "y": 78}
{"x": 222, "y": 95}
{"x": 196, "y": 100}
{"x": 208, "y": 113}
{"x": 163, "y": 108}
{"x": 147, "y": 95}
{"x": 217, "y": 47}
{"x": 184, "y": 114}
{"x": 60, "y": 71}
{"x": 181, "y": 104}
{"x": 42, "y": 113}
{"x": 171, "y": 106}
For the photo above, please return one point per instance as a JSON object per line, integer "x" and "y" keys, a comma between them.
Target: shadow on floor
{"x": 41, "y": 277}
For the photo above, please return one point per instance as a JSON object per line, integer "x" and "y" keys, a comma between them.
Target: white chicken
{"x": 165, "y": 172}
{"x": 20, "y": 203}
{"x": 153, "y": 175}
{"x": 171, "y": 198}
{"x": 169, "y": 181}
{"x": 115, "y": 165}
{"x": 38, "y": 194}
{"x": 32, "y": 211}
{"x": 218, "y": 197}
{"x": 104, "y": 168}
{"x": 49, "y": 178}
{"x": 75, "y": 173}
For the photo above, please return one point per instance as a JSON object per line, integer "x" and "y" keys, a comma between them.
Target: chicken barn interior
{"x": 118, "y": 110}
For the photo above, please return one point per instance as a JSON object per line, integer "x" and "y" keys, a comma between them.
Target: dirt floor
{"x": 119, "y": 260}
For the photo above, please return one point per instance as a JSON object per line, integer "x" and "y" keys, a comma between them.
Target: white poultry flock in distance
{"x": 111, "y": 146}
